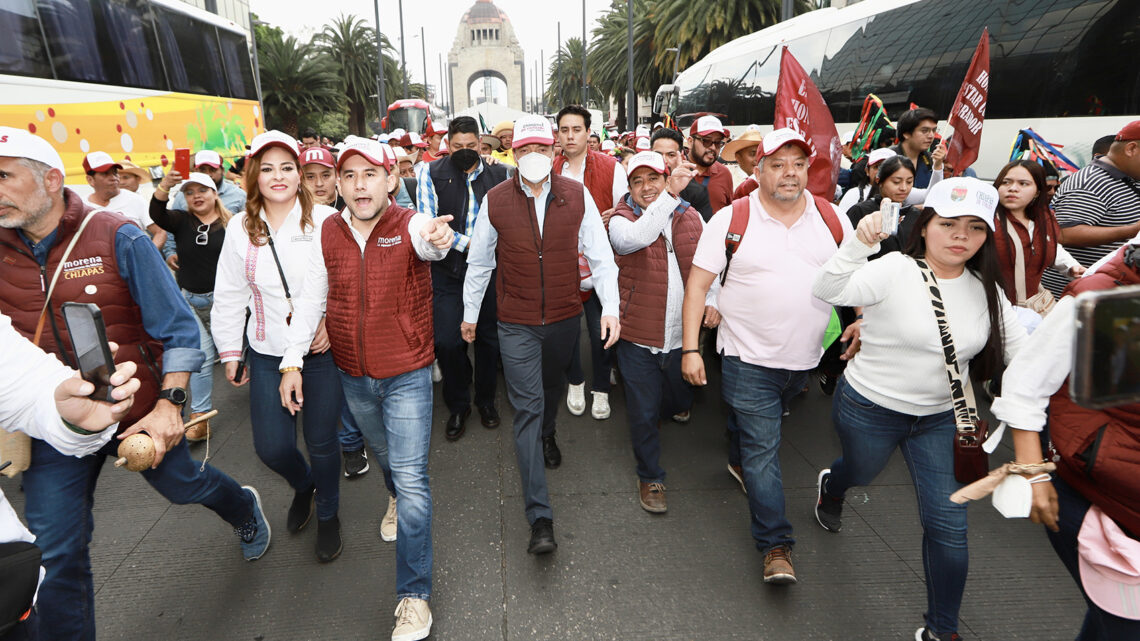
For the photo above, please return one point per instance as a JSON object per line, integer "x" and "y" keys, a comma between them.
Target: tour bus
{"x": 1069, "y": 69}
{"x": 409, "y": 114}
{"x": 134, "y": 78}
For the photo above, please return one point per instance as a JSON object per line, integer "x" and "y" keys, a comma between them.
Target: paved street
{"x": 176, "y": 572}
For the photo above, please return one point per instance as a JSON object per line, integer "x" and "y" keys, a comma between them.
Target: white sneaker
{"x": 388, "y": 523}
{"x": 576, "y": 399}
{"x": 436, "y": 372}
{"x": 413, "y": 620}
{"x": 601, "y": 407}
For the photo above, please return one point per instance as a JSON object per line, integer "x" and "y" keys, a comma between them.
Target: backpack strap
{"x": 736, "y": 229}
{"x": 831, "y": 218}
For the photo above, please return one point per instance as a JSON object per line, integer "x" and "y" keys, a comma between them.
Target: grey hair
{"x": 36, "y": 167}
{"x": 760, "y": 163}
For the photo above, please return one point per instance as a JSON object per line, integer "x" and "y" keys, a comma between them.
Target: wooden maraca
{"x": 136, "y": 452}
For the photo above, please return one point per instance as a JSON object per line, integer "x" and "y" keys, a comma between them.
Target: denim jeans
{"x": 653, "y": 389}
{"x": 601, "y": 360}
{"x": 757, "y": 396}
{"x": 275, "y": 430}
{"x": 1098, "y": 624}
{"x": 396, "y": 411}
{"x": 202, "y": 381}
{"x": 60, "y": 493}
{"x": 869, "y": 435}
{"x": 349, "y": 435}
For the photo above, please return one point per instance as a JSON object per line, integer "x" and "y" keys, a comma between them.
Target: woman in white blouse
{"x": 895, "y": 393}
{"x": 261, "y": 271}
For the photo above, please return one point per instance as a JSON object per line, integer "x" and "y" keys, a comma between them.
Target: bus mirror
{"x": 663, "y": 98}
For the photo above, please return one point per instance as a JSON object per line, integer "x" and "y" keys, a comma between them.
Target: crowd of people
{"x": 340, "y": 280}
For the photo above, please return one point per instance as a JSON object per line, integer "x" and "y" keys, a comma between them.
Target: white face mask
{"x": 535, "y": 166}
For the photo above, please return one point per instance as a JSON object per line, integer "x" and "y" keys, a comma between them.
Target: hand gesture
{"x": 74, "y": 406}
{"x": 680, "y": 178}
{"x": 164, "y": 425}
{"x": 170, "y": 180}
{"x": 870, "y": 228}
{"x": 437, "y": 232}
{"x": 231, "y": 374}
{"x": 938, "y": 155}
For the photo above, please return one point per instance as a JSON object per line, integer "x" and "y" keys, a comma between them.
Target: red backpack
{"x": 739, "y": 223}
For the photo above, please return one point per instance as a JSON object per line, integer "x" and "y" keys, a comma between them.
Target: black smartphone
{"x": 240, "y": 369}
{"x": 89, "y": 340}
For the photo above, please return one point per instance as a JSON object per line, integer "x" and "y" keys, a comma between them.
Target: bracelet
{"x": 289, "y": 369}
{"x": 1044, "y": 477}
{"x": 162, "y": 189}
{"x": 75, "y": 428}
{"x": 690, "y": 351}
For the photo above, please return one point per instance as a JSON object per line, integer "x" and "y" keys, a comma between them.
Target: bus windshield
{"x": 408, "y": 119}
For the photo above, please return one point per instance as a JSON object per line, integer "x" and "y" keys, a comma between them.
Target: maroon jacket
{"x": 1038, "y": 256}
{"x": 599, "y": 175}
{"x": 537, "y": 273}
{"x": 379, "y": 310}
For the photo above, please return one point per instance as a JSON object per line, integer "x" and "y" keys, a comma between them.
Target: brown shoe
{"x": 652, "y": 496}
{"x": 199, "y": 432}
{"x": 778, "y": 566}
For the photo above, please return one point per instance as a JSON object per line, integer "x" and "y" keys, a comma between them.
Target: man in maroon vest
{"x": 112, "y": 263}
{"x": 654, "y": 234}
{"x": 372, "y": 282}
{"x": 605, "y": 179}
{"x": 1098, "y": 462}
{"x": 531, "y": 228}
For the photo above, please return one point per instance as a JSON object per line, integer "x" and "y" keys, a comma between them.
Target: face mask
{"x": 464, "y": 159}
{"x": 535, "y": 167}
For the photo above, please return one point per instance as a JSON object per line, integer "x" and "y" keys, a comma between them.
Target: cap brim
{"x": 802, "y": 144}
{"x": 275, "y": 143}
{"x": 108, "y": 167}
{"x": 1115, "y": 597}
{"x": 533, "y": 140}
{"x": 736, "y": 145}
{"x": 349, "y": 153}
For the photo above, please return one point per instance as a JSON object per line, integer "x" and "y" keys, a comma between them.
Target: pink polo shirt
{"x": 769, "y": 315}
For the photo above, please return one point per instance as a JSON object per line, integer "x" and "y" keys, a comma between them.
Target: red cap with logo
{"x": 318, "y": 156}
{"x": 1131, "y": 131}
{"x": 779, "y": 138}
{"x": 99, "y": 161}
{"x": 374, "y": 152}
{"x": 706, "y": 125}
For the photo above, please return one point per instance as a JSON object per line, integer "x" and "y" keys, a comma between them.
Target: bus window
{"x": 129, "y": 48}
{"x": 239, "y": 70}
{"x": 22, "y": 47}
{"x": 70, "y": 29}
{"x": 190, "y": 49}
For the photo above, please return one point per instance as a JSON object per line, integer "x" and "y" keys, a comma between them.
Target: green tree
{"x": 608, "y": 56}
{"x": 351, "y": 43}
{"x": 296, "y": 80}
{"x": 699, "y": 27}
{"x": 569, "y": 60}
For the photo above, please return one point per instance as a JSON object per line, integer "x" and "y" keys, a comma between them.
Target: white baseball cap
{"x": 642, "y": 130}
{"x": 274, "y": 138}
{"x": 437, "y": 128}
{"x": 706, "y": 125}
{"x": 374, "y": 152}
{"x": 847, "y": 137}
{"x": 879, "y": 155}
{"x": 954, "y": 197}
{"x": 651, "y": 159}
{"x": 20, "y": 143}
{"x": 608, "y": 145}
{"x": 99, "y": 161}
{"x": 780, "y": 137}
{"x": 208, "y": 157}
{"x": 396, "y": 133}
{"x": 642, "y": 143}
{"x": 201, "y": 179}
{"x": 530, "y": 129}
{"x": 401, "y": 155}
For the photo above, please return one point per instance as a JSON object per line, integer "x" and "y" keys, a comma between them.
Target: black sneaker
{"x": 542, "y": 537}
{"x": 828, "y": 509}
{"x": 304, "y": 502}
{"x": 355, "y": 463}
{"x": 924, "y": 634}
{"x": 551, "y": 455}
{"x": 827, "y": 384}
{"x": 328, "y": 539}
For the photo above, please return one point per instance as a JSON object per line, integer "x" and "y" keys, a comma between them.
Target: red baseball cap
{"x": 706, "y": 125}
{"x": 208, "y": 158}
{"x": 99, "y": 161}
{"x": 436, "y": 129}
{"x": 374, "y": 152}
{"x": 532, "y": 129}
{"x": 318, "y": 156}
{"x": 780, "y": 137}
{"x": 1131, "y": 131}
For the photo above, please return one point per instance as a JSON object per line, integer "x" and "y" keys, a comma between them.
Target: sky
{"x": 535, "y": 24}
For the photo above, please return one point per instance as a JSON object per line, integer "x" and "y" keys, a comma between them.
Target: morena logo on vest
{"x": 390, "y": 241}
{"x": 83, "y": 267}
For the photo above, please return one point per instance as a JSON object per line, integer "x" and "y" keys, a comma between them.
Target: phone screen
{"x": 1109, "y": 351}
{"x": 89, "y": 340}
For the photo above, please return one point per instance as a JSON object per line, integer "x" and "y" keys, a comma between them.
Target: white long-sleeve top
{"x": 628, "y": 236}
{"x": 900, "y": 365}
{"x": 28, "y": 378}
{"x": 248, "y": 278}
{"x": 310, "y": 305}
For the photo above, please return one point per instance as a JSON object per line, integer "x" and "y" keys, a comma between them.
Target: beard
{"x": 37, "y": 206}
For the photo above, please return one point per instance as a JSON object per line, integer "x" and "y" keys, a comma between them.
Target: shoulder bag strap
{"x": 55, "y": 277}
{"x": 1018, "y": 262}
{"x": 965, "y": 414}
{"x": 284, "y": 282}
{"x": 737, "y": 225}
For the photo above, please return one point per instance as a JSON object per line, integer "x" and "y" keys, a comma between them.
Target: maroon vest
{"x": 90, "y": 275}
{"x": 643, "y": 277}
{"x": 1100, "y": 449}
{"x": 378, "y": 315}
{"x": 599, "y": 177}
{"x": 538, "y": 273}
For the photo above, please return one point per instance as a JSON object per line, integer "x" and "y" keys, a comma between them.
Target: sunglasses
{"x": 713, "y": 144}
{"x": 203, "y": 236}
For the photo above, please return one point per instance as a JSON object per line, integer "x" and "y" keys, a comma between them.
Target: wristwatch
{"x": 176, "y": 395}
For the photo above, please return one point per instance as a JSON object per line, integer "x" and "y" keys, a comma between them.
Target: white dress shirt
{"x": 310, "y": 304}
{"x": 129, "y": 204}
{"x": 619, "y": 187}
{"x": 248, "y": 278}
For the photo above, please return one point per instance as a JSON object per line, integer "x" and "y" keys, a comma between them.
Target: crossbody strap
{"x": 965, "y": 414}
{"x": 55, "y": 277}
{"x": 1018, "y": 262}
{"x": 284, "y": 282}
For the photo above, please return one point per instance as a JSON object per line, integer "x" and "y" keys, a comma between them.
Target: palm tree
{"x": 351, "y": 43}
{"x": 699, "y": 27}
{"x": 608, "y": 56}
{"x": 296, "y": 80}
{"x": 569, "y": 59}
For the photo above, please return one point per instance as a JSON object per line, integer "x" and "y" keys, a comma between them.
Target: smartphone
{"x": 937, "y": 141}
{"x": 891, "y": 219}
{"x": 182, "y": 162}
{"x": 1106, "y": 359}
{"x": 89, "y": 339}
{"x": 240, "y": 371}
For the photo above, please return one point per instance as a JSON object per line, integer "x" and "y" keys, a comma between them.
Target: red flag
{"x": 800, "y": 106}
{"x": 969, "y": 111}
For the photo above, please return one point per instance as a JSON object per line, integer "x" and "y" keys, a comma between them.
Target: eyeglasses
{"x": 203, "y": 236}
{"x": 708, "y": 142}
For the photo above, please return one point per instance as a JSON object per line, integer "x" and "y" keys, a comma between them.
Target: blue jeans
{"x": 601, "y": 359}
{"x": 60, "y": 492}
{"x": 349, "y": 435}
{"x": 869, "y": 435}
{"x": 275, "y": 430}
{"x": 1098, "y": 624}
{"x": 202, "y": 381}
{"x": 653, "y": 388}
{"x": 396, "y": 411}
{"x": 757, "y": 396}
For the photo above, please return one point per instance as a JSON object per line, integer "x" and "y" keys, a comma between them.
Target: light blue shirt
{"x": 427, "y": 202}
{"x": 592, "y": 241}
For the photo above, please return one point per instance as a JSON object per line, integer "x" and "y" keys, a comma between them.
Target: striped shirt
{"x": 428, "y": 203}
{"x": 1099, "y": 195}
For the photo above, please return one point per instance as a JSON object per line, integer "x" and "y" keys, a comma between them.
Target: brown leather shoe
{"x": 778, "y": 568}
{"x": 199, "y": 432}
{"x": 652, "y": 496}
